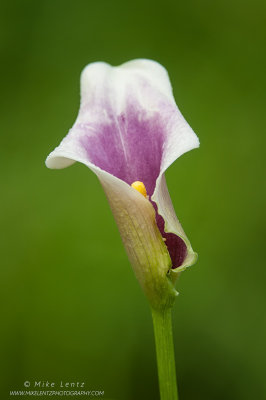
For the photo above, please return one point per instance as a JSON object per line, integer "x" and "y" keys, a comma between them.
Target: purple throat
{"x": 176, "y": 246}
{"x": 130, "y": 147}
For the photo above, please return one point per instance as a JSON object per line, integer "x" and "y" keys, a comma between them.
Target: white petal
{"x": 102, "y": 85}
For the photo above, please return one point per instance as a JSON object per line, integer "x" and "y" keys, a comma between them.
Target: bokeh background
{"x": 71, "y": 308}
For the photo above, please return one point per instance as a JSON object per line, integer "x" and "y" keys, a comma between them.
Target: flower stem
{"x": 162, "y": 323}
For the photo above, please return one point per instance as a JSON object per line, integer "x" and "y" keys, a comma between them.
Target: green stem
{"x": 162, "y": 323}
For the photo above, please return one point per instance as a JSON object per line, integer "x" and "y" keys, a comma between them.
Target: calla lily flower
{"x": 128, "y": 132}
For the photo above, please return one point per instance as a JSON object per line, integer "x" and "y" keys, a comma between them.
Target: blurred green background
{"x": 71, "y": 308}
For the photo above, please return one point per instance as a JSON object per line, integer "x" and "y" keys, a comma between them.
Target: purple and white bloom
{"x": 129, "y": 129}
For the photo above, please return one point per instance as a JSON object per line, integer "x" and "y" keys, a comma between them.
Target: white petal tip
{"x": 53, "y": 162}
